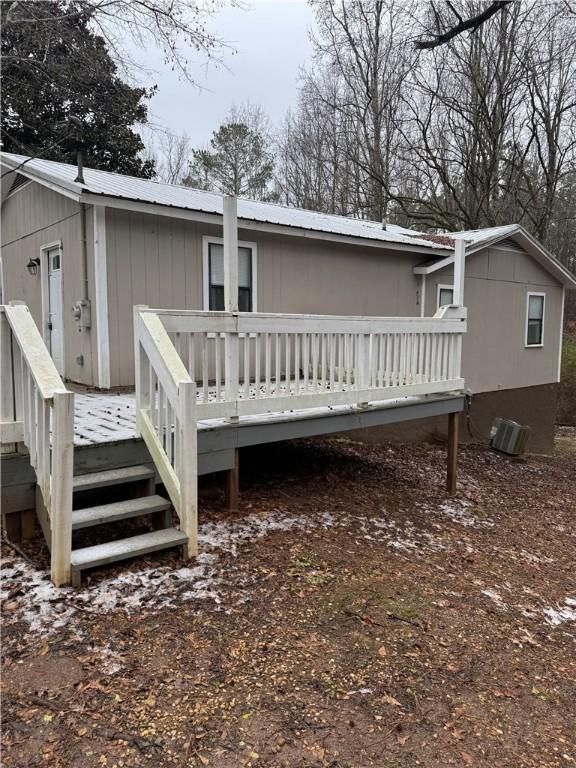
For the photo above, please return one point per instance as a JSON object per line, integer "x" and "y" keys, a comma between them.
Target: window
{"x": 445, "y": 295}
{"x": 535, "y": 320}
{"x": 214, "y": 276}
{"x": 53, "y": 255}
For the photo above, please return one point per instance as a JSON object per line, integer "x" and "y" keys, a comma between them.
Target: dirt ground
{"x": 349, "y": 615}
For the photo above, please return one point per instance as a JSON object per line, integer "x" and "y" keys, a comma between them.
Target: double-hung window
{"x": 214, "y": 276}
{"x": 535, "y": 319}
{"x": 445, "y": 295}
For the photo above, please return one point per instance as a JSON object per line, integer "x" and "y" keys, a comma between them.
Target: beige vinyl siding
{"x": 157, "y": 260}
{"x": 152, "y": 260}
{"x": 31, "y": 218}
{"x": 297, "y": 275}
{"x": 494, "y": 354}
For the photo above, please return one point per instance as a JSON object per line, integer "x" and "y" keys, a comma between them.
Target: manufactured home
{"x": 145, "y": 323}
{"x": 82, "y": 254}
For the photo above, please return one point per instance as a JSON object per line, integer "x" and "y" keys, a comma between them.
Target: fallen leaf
{"x": 391, "y": 700}
{"x": 382, "y": 651}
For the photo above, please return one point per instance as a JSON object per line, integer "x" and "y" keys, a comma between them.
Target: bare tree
{"x": 363, "y": 44}
{"x": 463, "y": 107}
{"x": 476, "y": 132}
{"x": 173, "y": 158}
{"x": 314, "y": 152}
{"x": 550, "y": 69}
{"x": 177, "y": 27}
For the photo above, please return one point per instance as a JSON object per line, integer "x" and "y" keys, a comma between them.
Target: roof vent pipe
{"x": 80, "y": 163}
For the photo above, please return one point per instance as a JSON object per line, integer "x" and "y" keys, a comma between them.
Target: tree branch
{"x": 472, "y": 24}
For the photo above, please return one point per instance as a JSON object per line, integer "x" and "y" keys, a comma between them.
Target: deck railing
{"x": 249, "y": 363}
{"x": 38, "y": 411}
{"x": 166, "y": 417}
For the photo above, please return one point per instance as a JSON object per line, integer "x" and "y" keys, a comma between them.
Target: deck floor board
{"x": 103, "y": 417}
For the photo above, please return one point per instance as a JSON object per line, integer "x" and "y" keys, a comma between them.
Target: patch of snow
{"x": 462, "y": 513}
{"x": 495, "y": 597}
{"x": 530, "y": 557}
{"x": 361, "y": 691}
{"x": 561, "y": 613}
{"x": 46, "y": 609}
{"x": 226, "y": 536}
{"x": 403, "y": 537}
{"x": 524, "y": 554}
{"x": 109, "y": 660}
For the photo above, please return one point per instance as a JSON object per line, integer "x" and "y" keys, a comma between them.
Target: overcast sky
{"x": 272, "y": 43}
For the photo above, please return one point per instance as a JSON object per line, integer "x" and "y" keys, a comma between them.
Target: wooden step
{"x": 113, "y": 551}
{"x": 112, "y": 477}
{"x": 118, "y": 510}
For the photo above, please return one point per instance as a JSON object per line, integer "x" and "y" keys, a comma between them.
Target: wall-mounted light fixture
{"x": 33, "y": 266}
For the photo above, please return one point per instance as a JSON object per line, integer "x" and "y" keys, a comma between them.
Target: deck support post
{"x": 232, "y": 485}
{"x": 61, "y": 492}
{"x": 141, "y": 371}
{"x": 459, "y": 271}
{"x": 230, "y": 210}
{"x": 27, "y": 520}
{"x": 452, "y": 467}
{"x": 230, "y": 226}
{"x": 188, "y": 470}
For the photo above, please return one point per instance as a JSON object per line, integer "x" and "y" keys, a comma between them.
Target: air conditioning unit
{"x": 509, "y": 437}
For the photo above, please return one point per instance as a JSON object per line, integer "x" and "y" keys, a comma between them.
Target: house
{"x": 151, "y": 331}
{"x": 98, "y": 247}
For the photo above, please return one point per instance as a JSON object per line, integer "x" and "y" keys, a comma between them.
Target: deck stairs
{"x": 137, "y": 483}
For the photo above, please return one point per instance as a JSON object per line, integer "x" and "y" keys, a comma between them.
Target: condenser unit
{"x": 509, "y": 437}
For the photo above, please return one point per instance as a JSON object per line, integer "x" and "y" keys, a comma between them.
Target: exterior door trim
{"x": 44, "y": 287}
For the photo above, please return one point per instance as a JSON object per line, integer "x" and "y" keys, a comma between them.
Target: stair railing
{"x": 166, "y": 418}
{"x": 38, "y": 411}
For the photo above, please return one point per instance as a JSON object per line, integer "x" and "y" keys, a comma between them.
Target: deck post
{"x": 459, "y": 269}
{"x": 230, "y": 254}
{"x": 61, "y": 491}
{"x": 452, "y": 467}
{"x": 232, "y": 487}
{"x": 231, "y": 295}
{"x": 141, "y": 372}
{"x": 7, "y": 404}
{"x": 188, "y": 466}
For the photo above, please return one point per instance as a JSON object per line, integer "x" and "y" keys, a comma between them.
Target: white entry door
{"x": 54, "y": 319}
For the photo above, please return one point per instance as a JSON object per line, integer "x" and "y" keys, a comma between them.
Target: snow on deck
{"x": 101, "y": 417}
{"x": 104, "y": 418}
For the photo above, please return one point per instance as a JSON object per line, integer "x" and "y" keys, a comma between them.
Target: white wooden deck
{"x": 209, "y": 383}
{"x": 101, "y": 417}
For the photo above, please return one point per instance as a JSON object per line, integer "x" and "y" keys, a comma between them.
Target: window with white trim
{"x": 445, "y": 295}
{"x": 535, "y": 319}
{"x": 214, "y": 276}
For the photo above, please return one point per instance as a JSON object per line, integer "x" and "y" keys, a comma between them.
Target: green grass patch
{"x": 567, "y": 395}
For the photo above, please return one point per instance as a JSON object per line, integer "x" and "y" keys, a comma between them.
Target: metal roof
{"x": 110, "y": 185}
{"x": 131, "y": 188}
